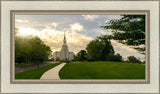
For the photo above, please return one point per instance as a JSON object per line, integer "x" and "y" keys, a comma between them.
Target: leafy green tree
{"x": 130, "y": 29}
{"x": 94, "y": 49}
{"x": 81, "y": 55}
{"x": 31, "y": 49}
{"x": 99, "y": 48}
{"x": 19, "y": 56}
{"x": 108, "y": 48}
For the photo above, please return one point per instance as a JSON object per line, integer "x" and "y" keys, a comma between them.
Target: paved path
{"x": 52, "y": 73}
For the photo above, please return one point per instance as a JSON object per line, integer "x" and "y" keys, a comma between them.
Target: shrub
{"x": 116, "y": 57}
{"x": 64, "y": 61}
{"x": 67, "y": 61}
{"x": 57, "y": 58}
{"x": 132, "y": 59}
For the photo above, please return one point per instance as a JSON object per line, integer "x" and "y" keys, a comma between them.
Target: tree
{"x": 108, "y": 48}
{"x": 81, "y": 55}
{"x": 116, "y": 57}
{"x": 31, "y": 49}
{"x": 99, "y": 48}
{"x": 130, "y": 29}
{"x": 94, "y": 49}
{"x": 132, "y": 59}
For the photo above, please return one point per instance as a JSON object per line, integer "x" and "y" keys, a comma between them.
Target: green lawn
{"x": 102, "y": 70}
{"x": 35, "y": 73}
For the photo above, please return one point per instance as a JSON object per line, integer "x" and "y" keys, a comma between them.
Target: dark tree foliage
{"x": 94, "y": 49}
{"x": 81, "y": 56}
{"x": 116, "y": 57}
{"x": 130, "y": 29}
{"x": 132, "y": 59}
{"x": 99, "y": 48}
{"x": 108, "y": 48}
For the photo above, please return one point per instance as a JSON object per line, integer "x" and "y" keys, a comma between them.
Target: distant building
{"x": 64, "y": 54}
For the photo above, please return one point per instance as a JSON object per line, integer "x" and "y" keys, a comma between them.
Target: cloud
{"x": 54, "y": 24}
{"x": 90, "y": 17}
{"x": 101, "y": 32}
{"x": 77, "y": 42}
{"x": 54, "y": 38}
{"x": 21, "y": 21}
{"x": 76, "y": 27}
{"x": 104, "y": 32}
{"x": 98, "y": 32}
{"x": 125, "y": 50}
{"x": 39, "y": 27}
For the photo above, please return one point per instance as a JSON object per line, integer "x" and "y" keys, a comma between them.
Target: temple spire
{"x": 64, "y": 41}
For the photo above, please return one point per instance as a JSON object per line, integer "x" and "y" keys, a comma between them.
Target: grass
{"x": 34, "y": 73}
{"x": 102, "y": 70}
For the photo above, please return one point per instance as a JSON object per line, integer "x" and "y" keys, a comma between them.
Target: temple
{"x": 64, "y": 54}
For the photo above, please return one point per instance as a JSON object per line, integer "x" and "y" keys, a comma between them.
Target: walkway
{"x": 53, "y": 73}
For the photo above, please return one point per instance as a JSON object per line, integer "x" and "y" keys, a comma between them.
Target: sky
{"x": 79, "y": 30}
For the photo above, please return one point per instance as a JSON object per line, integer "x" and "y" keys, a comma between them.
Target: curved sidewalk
{"x": 52, "y": 73}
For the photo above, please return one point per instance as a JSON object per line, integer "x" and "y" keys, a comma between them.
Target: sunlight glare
{"x": 27, "y": 31}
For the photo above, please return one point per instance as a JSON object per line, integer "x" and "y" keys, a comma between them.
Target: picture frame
{"x": 78, "y": 81}
{"x": 10, "y": 8}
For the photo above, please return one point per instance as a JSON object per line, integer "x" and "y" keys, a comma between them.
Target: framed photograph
{"x": 79, "y": 47}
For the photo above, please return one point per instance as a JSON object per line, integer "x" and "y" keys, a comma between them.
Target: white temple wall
{"x": 71, "y": 57}
{"x": 57, "y": 54}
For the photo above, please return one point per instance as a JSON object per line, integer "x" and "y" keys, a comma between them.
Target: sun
{"x": 26, "y": 31}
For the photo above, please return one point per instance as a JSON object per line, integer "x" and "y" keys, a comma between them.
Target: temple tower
{"x": 64, "y": 54}
{"x": 64, "y": 49}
